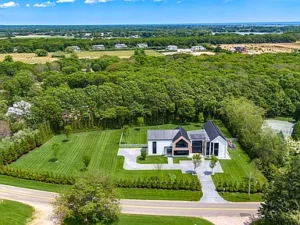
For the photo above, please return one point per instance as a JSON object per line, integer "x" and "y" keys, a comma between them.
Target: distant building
{"x": 172, "y": 48}
{"x": 120, "y": 46}
{"x": 239, "y": 49}
{"x": 98, "y": 47}
{"x": 198, "y": 48}
{"x": 15, "y": 49}
{"x": 142, "y": 45}
{"x": 76, "y": 48}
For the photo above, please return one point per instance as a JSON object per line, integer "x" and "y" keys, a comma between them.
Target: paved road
{"x": 42, "y": 201}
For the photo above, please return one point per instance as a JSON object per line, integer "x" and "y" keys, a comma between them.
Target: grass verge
{"x": 241, "y": 197}
{"x": 177, "y": 159}
{"x": 15, "y": 213}
{"x": 152, "y": 160}
{"x": 126, "y": 219}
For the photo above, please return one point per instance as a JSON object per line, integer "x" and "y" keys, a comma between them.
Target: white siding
{"x": 222, "y": 147}
{"x": 160, "y": 146}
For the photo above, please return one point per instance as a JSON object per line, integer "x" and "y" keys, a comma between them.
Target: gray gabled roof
{"x": 161, "y": 134}
{"x": 181, "y": 133}
{"x": 212, "y": 130}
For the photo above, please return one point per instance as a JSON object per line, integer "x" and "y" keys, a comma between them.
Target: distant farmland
{"x": 31, "y": 58}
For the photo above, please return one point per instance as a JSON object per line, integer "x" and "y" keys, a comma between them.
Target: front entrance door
{"x": 169, "y": 151}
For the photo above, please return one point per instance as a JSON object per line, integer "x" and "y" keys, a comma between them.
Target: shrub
{"x": 296, "y": 132}
{"x": 58, "y": 55}
{"x": 41, "y": 52}
{"x": 143, "y": 154}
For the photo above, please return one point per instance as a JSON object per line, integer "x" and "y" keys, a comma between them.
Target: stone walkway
{"x": 210, "y": 195}
{"x": 170, "y": 160}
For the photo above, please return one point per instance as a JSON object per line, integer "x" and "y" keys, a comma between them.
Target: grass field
{"x": 238, "y": 168}
{"x": 152, "y": 160}
{"x": 101, "y": 146}
{"x": 138, "y": 135}
{"x": 31, "y": 58}
{"x": 126, "y": 219}
{"x": 14, "y": 213}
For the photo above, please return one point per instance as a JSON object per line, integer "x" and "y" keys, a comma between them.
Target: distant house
{"x": 198, "y": 48}
{"x": 98, "y": 47}
{"x": 120, "y": 46}
{"x": 76, "y": 48}
{"x": 142, "y": 45}
{"x": 15, "y": 49}
{"x": 239, "y": 49}
{"x": 172, "y": 48}
{"x": 178, "y": 142}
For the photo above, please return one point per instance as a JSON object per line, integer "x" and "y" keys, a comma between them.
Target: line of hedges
{"x": 151, "y": 183}
{"x": 256, "y": 187}
{"x": 23, "y": 142}
{"x": 159, "y": 183}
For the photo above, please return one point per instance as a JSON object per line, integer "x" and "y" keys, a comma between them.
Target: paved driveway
{"x": 210, "y": 195}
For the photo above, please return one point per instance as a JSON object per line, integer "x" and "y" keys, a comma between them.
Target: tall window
{"x": 154, "y": 147}
{"x": 216, "y": 149}
{"x": 181, "y": 144}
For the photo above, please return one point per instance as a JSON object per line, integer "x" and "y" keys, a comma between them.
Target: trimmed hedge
{"x": 151, "y": 183}
{"x": 24, "y": 142}
{"x": 242, "y": 187}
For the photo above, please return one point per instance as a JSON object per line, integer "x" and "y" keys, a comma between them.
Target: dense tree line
{"x": 160, "y": 89}
{"x": 60, "y": 44}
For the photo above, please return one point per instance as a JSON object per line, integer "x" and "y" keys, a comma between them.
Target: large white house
{"x": 179, "y": 142}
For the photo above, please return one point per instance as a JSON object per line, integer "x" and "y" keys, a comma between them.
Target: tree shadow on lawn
{"x": 65, "y": 140}
{"x": 53, "y": 160}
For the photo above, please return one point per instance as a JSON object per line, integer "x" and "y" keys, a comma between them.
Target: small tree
{"x": 196, "y": 161}
{"x": 86, "y": 161}
{"x": 55, "y": 149}
{"x": 143, "y": 154}
{"x": 41, "y": 52}
{"x": 213, "y": 163}
{"x": 67, "y": 131}
{"x": 8, "y": 58}
{"x": 90, "y": 200}
{"x": 140, "y": 121}
{"x": 125, "y": 132}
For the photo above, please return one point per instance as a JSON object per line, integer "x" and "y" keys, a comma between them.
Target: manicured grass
{"x": 101, "y": 146}
{"x": 17, "y": 182}
{"x": 154, "y": 194}
{"x": 177, "y": 159}
{"x": 238, "y": 168}
{"x": 152, "y": 160}
{"x": 241, "y": 197}
{"x": 126, "y": 219}
{"x": 14, "y": 213}
{"x": 138, "y": 135}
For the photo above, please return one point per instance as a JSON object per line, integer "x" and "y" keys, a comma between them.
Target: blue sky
{"x": 146, "y": 11}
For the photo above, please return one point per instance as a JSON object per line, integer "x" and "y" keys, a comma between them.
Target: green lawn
{"x": 138, "y": 135}
{"x": 238, "y": 168}
{"x": 14, "y": 213}
{"x": 126, "y": 219}
{"x": 154, "y": 194}
{"x": 241, "y": 197}
{"x": 156, "y": 159}
{"x": 177, "y": 159}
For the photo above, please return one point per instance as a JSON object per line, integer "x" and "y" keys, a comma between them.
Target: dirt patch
{"x": 266, "y": 48}
{"x": 4, "y": 129}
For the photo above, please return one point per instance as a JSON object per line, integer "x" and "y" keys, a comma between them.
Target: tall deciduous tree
{"x": 90, "y": 200}
{"x": 282, "y": 202}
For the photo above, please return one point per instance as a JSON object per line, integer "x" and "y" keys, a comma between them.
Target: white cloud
{"x": 178, "y": 2}
{"x": 157, "y": 0}
{"x": 8, "y": 5}
{"x": 96, "y": 1}
{"x": 44, "y": 4}
{"x": 27, "y": 5}
{"x": 65, "y": 1}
